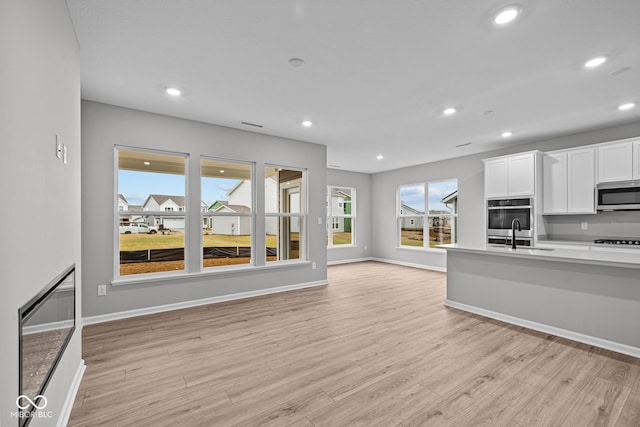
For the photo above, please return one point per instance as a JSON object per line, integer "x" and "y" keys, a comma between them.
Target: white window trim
{"x": 194, "y": 248}
{"x": 331, "y": 217}
{"x": 304, "y": 216}
{"x": 116, "y": 217}
{"x": 400, "y": 216}
{"x": 206, "y": 213}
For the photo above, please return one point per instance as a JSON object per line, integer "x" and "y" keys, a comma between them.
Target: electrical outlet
{"x": 313, "y": 265}
{"x": 365, "y": 247}
{"x": 319, "y": 220}
{"x": 584, "y": 226}
{"x": 102, "y": 290}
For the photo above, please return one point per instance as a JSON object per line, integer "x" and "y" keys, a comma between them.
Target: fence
{"x": 156, "y": 255}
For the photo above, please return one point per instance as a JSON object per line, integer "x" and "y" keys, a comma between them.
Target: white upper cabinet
{"x": 510, "y": 175}
{"x": 581, "y": 181}
{"x": 569, "y": 182}
{"x": 495, "y": 178}
{"x": 554, "y": 183}
{"x": 636, "y": 159}
{"x": 615, "y": 162}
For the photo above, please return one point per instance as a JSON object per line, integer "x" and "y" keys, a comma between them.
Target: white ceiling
{"x": 377, "y": 73}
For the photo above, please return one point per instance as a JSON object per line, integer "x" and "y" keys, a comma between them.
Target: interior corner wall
{"x": 362, "y": 183}
{"x": 105, "y": 126}
{"x": 40, "y": 75}
{"x": 469, "y": 171}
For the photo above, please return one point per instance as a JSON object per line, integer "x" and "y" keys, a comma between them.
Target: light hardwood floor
{"x": 374, "y": 348}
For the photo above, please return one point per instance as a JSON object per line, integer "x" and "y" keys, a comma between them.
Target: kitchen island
{"x": 591, "y": 296}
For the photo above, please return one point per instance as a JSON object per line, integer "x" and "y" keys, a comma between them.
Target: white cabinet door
{"x": 496, "y": 178}
{"x": 521, "y": 170}
{"x": 636, "y": 160}
{"x": 581, "y": 181}
{"x": 554, "y": 183}
{"x": 615, "y": 162}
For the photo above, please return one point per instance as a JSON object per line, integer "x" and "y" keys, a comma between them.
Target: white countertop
{"x": 615, "y": 257}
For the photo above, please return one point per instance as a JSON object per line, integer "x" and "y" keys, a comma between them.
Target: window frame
{"x": 425, "y": 216}
{"x": 304, "y": 215}
{"x": 210, "y": 214}
{"x": 117, "y": 277}
{"x": 331, "y": 217}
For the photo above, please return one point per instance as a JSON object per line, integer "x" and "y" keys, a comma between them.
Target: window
{"x": 227, "y": 190}
{"x": 285, "y": 213}
{"x": 341, "y": 214}
{"x": 150, "y": 234}
{"x": 153, "y": 214}
{"x": 440, "y": 202}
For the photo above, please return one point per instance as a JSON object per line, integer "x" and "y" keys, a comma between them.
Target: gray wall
{"x": 362, "y": 183}
{"x": 40, "y": 71}
{"x": 602, "y": 225}
{"x": 469, "y": 172}
{"x": 104, "y": 126}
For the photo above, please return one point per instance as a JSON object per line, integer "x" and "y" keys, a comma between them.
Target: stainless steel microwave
{"x": 619, "y": 196}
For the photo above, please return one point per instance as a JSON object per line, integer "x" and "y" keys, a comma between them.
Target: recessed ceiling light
{"x": 221, "y": 170}
{"x": 627, "y": 106}
{"x": 594, "y": 62}
{"x": 307, "y": 123}
{"x": 449, "y": 111}
{"x": 296, "y": 62}
{"x": 173, "y": 91}
{"x": 507, "y": 134}
{"x": 147, "y": 163}
{"x": 507, "y": 14}
{"x": 379, "y": 157}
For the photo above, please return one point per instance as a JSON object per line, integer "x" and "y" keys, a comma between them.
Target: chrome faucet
{"x": 513, "y": 231}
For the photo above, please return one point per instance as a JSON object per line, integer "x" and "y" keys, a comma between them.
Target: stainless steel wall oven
{"x": 500, "y": 215}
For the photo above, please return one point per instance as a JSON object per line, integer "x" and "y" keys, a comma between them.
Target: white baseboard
{"x": 575, "y": 336}
{"x": 194, "y": 303}
{"x": 410, "y": 264}
{"x": 349, "y": 261}
{"x": 71, "y": 396}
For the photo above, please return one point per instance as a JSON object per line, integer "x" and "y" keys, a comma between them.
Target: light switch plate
{"x": 64, "y": 154}
{"x": 102, "y": 290}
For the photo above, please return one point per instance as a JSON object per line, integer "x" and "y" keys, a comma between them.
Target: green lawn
{"x": 343, "y": 238}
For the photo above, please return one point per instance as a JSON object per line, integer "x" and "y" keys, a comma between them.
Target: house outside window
{"x": 150, "y": 234}
{"x": 427, "y": 214}
{"x": 227, "y": 233}
{"x": 285, "y": 213}
{"x": 341, "y": 214}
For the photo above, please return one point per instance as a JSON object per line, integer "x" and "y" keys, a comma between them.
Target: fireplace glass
{"x": 47, "y": 323}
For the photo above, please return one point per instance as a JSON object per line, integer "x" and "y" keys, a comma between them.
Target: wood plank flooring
{"x": 374, "y": 348}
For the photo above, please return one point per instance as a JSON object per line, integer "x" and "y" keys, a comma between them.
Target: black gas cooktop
{"x": 621, "y": 241}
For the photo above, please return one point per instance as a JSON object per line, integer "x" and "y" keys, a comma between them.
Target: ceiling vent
{"x": 251, "y": 124}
